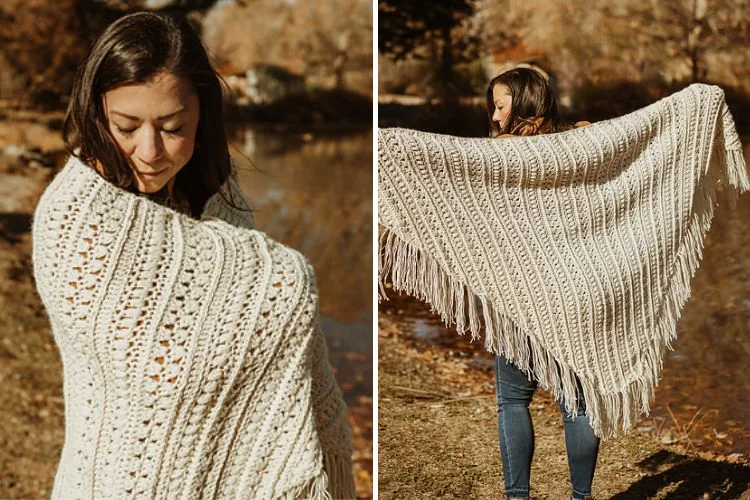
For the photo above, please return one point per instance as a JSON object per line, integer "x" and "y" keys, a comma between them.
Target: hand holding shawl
{"x": 578, "y": 247}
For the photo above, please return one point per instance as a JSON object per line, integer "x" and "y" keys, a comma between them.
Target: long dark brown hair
{"x": 534, "y": 109}
{"x": 133, "y": 50}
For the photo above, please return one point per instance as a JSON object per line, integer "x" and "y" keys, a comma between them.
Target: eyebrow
{"x": 135, "y": 118}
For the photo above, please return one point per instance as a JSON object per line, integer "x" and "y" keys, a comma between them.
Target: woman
{"x": 571, "y": 253}
{"x": 522, "y": 102}
{"x": 194, "y": 364}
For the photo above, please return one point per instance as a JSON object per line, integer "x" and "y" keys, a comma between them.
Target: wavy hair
{"x": 133, "y": 50}
{"x": 534, "y": 109}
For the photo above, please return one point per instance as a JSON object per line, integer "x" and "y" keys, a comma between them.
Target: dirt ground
{"x": 437, "y": 437}
{"x": 31, "y": 405}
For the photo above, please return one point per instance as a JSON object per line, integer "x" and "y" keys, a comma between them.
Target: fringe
{"x": 339, "y": 471}
{"x": 611, "y": 413}
{"x": 314, "y": 488}
{"x": 736, "y": 180}
{"x": 616, "y": 413}
{"x": 728, "y": 149}
{"x": 335, "y": 481}
{"x": 414, "y": 272}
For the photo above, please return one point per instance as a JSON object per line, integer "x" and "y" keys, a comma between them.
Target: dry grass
{"x": 438, "y": 438}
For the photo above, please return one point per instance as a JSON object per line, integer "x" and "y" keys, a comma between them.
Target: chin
{"x": 152, "y": 185}
{"x": 148, "y": 190}
{"x": 149, "y": 187}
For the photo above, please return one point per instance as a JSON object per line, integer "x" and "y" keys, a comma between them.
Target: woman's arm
{"x": 73, "y": 233}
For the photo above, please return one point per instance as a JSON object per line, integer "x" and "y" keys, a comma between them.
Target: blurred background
{"x": 299, "y": 108}
{"x": 605, "y": 58}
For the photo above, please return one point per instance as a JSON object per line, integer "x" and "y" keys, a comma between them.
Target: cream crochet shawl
{"x": 578, "y": 247}
{"x": 194, "y": 365}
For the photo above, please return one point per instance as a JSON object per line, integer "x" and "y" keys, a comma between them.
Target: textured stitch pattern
{"x": 579, "y": 244}
{"x": 194, "y": 364}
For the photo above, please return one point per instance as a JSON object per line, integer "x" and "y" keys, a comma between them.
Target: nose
{"x": 496, "y": 115}
{"x": 150, "y": 146}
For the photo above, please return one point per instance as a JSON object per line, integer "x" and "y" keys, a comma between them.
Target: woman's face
{"x": 154, "y": 126}
{"x": 503, "y": 101}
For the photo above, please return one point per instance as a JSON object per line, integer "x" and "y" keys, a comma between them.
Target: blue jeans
{"x": 514, "y": 391}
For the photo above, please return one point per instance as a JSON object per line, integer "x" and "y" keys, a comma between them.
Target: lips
{"x": 150, "y": 175}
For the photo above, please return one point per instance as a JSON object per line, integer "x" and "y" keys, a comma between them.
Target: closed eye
{"x": 129, "y": 131}
{"x": 124, "y": 131}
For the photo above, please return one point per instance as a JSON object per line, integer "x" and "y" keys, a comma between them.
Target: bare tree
{"x": 421, "y": 29}
{"x": 319, "y": 39}
{"x": 690, "y": 30}
{"x": 334, "y": 36}
{"x": 244, "y": 35}
{"x": 42, "y": 42}
{"x": 654, "y": 43}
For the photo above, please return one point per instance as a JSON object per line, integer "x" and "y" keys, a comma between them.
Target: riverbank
{"x": 440, "y": 401}
{"x": 333, "y": 111}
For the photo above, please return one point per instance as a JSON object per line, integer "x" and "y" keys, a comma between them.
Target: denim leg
{"x": 514, "y": 392}
{"x": 582, "y": 446}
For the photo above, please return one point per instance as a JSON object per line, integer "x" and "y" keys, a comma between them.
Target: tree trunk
{"x": 447, "y": 86}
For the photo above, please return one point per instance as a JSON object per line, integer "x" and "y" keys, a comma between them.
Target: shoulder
{"x": 67, "y": 185}
{"x": 582, "y": 123}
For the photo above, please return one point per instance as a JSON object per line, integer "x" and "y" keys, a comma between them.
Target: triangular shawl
{"x": 194, "y": 365}
{"x": 577, "y": 247}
